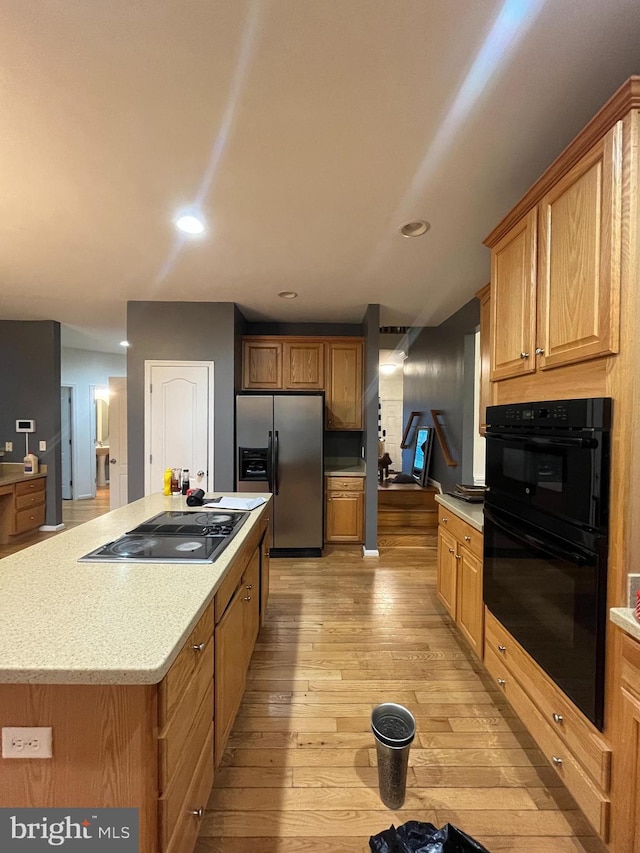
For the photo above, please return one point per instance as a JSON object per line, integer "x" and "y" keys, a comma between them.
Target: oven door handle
{"x": 586, "y": 443}
{"x": 554, "y": 550}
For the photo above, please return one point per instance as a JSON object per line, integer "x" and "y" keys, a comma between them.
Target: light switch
{"x": 42, "y": 445}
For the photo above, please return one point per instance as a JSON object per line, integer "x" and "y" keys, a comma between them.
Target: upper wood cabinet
{"x": 579, "y": 258}
{"x": 344, "y": 385}
{"x": 333, "y": 365}
{"x": 262, "y": 364}
{"x": 555, "y": 274}
{"x": 303, "y": 365}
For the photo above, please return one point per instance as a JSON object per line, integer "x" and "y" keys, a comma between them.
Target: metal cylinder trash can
{"x": 394, "y": 728}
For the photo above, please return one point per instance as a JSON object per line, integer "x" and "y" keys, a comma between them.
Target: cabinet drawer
{"x": 594, "y": 803}
{"x": 460, "y": 530}
{"x": 29, "y": 486}
{"x": 190, "y": 812}
{"x": 559, "y": 712}
{"x": 27, "y": 519}
{"x": 175, "y": 682}
{"x": 32, "y": 499}
{"x": 345, "y": 484}
{"x": 176, "y": 736}
{"x": 185, "y": 772}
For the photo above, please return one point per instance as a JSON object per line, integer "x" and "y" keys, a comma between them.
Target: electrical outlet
{"x": 26, "y": 742}
{"x": 42, "y": 446}
{"x": 8, "y": 445}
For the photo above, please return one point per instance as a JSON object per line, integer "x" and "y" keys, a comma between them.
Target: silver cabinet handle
{"x": 199, "y": 647}
{"x": 444, "y": 520}
{"x": 249, "y": 586}
{"x": 113, "y": 461}
{"x": 539, "y": 351}
{"x": 556, "y": 760}
{"x": 558, "y": 718}
{"x": 501, "y": 682}
{"x": 247, "y": 598}
{"x": 524, "y": 355}
{"x": 452, "y": 550}
{"x": 196, "y": 812}
{"x": 502, "y": 649}
{"x": 467, "y": 539}
{"x": 458, "y": 557}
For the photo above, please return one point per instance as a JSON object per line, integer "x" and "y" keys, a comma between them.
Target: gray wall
{"x": 319, "y": 330}
{"x": 434, "y": 378}
{"x": 30, "y": 388}
{"x": 370, "y": 437}
{"x": 189, "y": 331}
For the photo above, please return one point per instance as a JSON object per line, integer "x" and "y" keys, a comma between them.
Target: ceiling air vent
{"x": 394, "y": 330}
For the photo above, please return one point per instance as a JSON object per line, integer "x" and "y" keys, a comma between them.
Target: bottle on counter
{"x": 167, "y": 482}
{"x": 185, "y": 481}
{"x": 176, "y": 482}
{"x": 30, "y": 464}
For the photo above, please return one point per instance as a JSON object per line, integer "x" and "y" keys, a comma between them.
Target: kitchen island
{"x": 119, "y": 659}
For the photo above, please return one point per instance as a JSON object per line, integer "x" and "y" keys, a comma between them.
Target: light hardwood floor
{"x": 343, "y": 634}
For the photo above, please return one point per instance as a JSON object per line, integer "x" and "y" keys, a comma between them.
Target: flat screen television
{"x": 422, "y": 454}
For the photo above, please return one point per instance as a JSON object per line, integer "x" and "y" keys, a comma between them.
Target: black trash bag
{"x": 417, "y": 837}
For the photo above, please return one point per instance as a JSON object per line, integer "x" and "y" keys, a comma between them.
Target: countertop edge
{"x": 623, "y": 617}
{"x": 471, "y": 513}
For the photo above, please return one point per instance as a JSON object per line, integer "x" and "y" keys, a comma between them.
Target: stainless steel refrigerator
{"x": 279, "y": 449}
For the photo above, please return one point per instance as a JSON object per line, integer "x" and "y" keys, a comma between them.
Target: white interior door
{"x": 118, "y": 469}
{"x": 178, "y": 420}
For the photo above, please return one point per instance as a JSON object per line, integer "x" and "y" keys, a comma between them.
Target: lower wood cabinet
{"x": 22, "y": 507}
{"x": 459, "y": 578}
{"x": 572, "y": 745}
{"x": 344, "y": 509}
{"x": 153, "y": 747}
{"x": 626, "y": 824}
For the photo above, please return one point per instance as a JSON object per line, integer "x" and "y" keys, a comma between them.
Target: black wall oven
{"x": 545, "y": 537}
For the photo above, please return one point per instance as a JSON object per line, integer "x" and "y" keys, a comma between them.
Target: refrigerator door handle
{"x": 270, "y": 461}
{"x": 276, "y": 460}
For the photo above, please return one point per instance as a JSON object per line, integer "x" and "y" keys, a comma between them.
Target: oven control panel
{"x": 590, "y": 413}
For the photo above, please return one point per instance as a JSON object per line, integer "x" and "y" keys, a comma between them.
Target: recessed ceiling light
{"x": 287, "y": 294}
{"x": 125, "y": 344}
{"x": 414, "y": 229}
{"x": 190, "y": 223}
{"x": 388, "y": 369}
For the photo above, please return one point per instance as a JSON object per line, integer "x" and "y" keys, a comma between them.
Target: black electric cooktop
{"x": 173, "y": 537}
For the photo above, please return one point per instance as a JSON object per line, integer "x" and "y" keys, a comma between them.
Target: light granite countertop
{"x": 64, "y": 622}
{"x": 471, "y": 513}
{"x": 623, "y": 617}
{"x": 345, "y": 467}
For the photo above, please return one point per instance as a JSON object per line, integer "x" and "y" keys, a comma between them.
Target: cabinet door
{"x": 580, "y": 247}
{"x": 626, "y": 822}
{"x": 303, "y": 366}
{"x": 513, "y": 301}
{"x": 344, "y": 517}
{"x": 469, "y": 610}
{"x": 262, "y": 364}
{"x": 251, "y": 601}
{"x": 344, "y": 385}
{"x": 230, "y": 668}
{"x": 447, "y": 569}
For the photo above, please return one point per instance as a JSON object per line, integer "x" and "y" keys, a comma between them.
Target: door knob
{"x": 524, "y": 355}
{"x": 112, "y": 461}
{"x": 539, "y": 351}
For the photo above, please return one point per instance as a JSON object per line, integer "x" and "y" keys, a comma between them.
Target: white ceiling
{"x": 308, "y": 132}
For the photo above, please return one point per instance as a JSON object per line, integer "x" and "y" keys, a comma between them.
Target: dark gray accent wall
{"x": 319, "y": 330}
{"x": 189, "y": 331}
{"x": 30, "y": 388}
{"x": 340, "y": 443}
{"x": 371, "y": 331}
{"x": 434, "y": 378}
